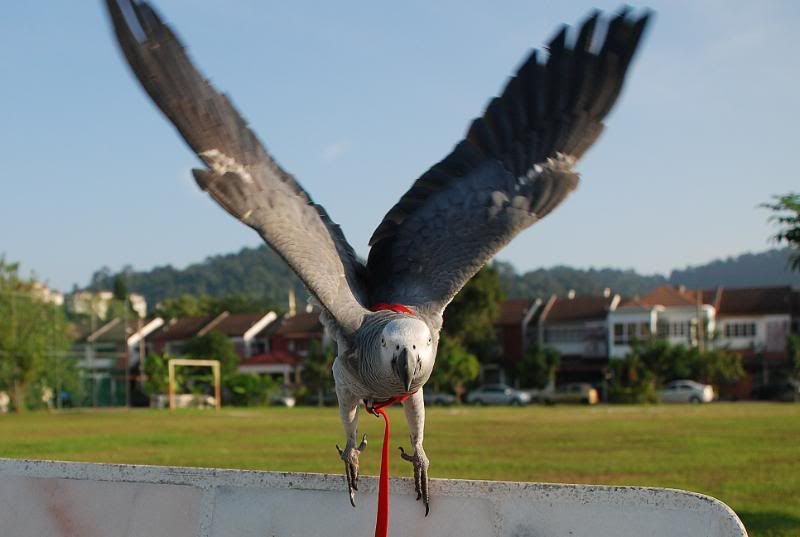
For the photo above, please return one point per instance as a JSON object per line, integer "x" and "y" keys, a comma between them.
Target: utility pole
{"x": 56, "y": 357}
{"x": 142, "y": 352}
{"x": 92, "y": 350}
{"x": 701, "y": 332}
{"x": 127, "y": 350}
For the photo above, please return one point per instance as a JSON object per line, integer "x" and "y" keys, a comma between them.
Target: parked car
{"x": 787, "y": 390}
{"x": 575, "y": 392}
{"x": 432, "y": 397}
{"x": 284, "y": 400}
{"x": 686, "y": 391}
{"x": 497, "y": 394}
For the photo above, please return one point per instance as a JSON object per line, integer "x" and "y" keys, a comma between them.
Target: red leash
{"x": 382, "y": 520}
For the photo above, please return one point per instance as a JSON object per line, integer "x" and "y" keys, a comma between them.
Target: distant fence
{"x": 59, "y": 499}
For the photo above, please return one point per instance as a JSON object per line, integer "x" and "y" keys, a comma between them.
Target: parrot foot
{"x": 421, "y": 463}
{"x": 350, "y": 457}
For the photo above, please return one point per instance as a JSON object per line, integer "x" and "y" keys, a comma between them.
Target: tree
{"x": 182, "y": 306}
{"x": 196, "y": 306}
{"x": 214, "y": 346}
{"x": 666, "y": 362}
{"x": 317, "y": 375}
{"x": 631, "y": 381}
{"x": 470, "y": 317}
{"x": 120, "y": 288}
{"x": 33, "y": 337}
{"x": 248, "y": 389}
{"x": 537, "y": 369}
{"x": 786, "y": 214}
{"x": 157, "y": 373}
{"x": 455, "y": 366}
{"x": 717, "y": 367}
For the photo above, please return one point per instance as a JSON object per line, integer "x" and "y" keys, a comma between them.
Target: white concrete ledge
{"x": 61, "y": 499}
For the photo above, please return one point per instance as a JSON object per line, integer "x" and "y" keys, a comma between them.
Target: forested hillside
{"x": 561, "y": 279}
{"x": 260, "y": 273}
{"x": 761, "y": 269}
{"x": 256, "y": 272}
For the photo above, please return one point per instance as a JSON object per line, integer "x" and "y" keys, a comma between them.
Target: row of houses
{"x": 265, "y": 342}
{"x": 589, "y": 331}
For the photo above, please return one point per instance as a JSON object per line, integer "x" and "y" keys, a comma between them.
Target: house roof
{"x": 668, "y": 296}
{"x": 182, "y": 328}
{"x": 579, "y": 308}
{"x": 277, "y": 357}
{"x": 238, "y": 324}
{"x": 300, "y": 325}
{"x": 80, "y": 330}
{"x": 756, "y": 301}
{"x": 513, "y": 311}
{"x": 633, "y": 303}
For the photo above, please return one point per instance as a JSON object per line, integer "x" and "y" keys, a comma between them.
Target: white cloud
{"x": 333, "y": 151}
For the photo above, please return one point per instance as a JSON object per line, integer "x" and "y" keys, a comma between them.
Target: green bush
{"x": 251, "y": 390}
{"x": 632, "y": 381}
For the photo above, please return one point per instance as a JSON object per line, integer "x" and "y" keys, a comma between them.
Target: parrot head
{"x": 407, "y": 351}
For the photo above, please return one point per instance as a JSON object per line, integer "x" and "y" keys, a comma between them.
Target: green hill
{"x": 260, "y": 273}
{"x": 256, "y": 272}
{"x": 746, "y": 270}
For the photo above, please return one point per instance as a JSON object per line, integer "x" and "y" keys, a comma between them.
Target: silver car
{"x": 438, "y": 398}
{"x": 686, "y": 391}
{"x": 497, "y": 394}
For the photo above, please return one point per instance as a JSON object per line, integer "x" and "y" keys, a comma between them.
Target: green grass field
{"x": 747, "y": 455}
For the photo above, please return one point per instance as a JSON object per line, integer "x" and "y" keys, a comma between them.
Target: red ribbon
{"x": 382, "y": 520}
{"x": 397, "y": 308}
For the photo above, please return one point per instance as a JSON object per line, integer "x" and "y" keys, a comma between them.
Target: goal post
{"x": 213, "y": 364}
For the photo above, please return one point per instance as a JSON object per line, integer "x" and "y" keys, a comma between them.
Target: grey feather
{"x": 241, "y": 176}
{"x": 513, "y": 167}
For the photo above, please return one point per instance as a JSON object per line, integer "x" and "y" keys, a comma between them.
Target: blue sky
{"x": 359, "y": 98}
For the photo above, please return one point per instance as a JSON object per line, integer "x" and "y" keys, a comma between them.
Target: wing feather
{"x": 513, "y": 167}
{"x": 240, "y": 175}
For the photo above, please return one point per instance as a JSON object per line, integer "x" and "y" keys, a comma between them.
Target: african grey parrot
{"x": 514, "y": 166}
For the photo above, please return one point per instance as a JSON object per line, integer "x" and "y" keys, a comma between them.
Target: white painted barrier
{"x": 59, "y": 499}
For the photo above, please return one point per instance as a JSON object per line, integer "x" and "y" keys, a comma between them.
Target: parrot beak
{"x": 405, "y": 369}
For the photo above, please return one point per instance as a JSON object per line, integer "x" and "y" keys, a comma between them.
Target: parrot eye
{"x": 397, "y": 347}
{"x": 383, "y": 342}
{"x": 429, "y": 340}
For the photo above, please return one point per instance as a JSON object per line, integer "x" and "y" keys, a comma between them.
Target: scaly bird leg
{"x": 415, "y": 415}
{"x": 348, "y": 411}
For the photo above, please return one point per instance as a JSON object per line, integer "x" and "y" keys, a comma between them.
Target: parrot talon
{"x": 350, "y": 457}
{"x": 421, "y": 463}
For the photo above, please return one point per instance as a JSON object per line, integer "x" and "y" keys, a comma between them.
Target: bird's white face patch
{"x": 413, "y": 336}
{"x": 222, "y": 164}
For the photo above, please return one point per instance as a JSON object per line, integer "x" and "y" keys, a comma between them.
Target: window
{"x": 740, "y": 329}
{"x": 627, "y": 332}
{"x": 679, "y": 329}
{"x": 673, "y": 329}
{"x": 564, "y": 335}
{"x": 631, "y": 329}
{"x": 619, "y": 334}
{"x": 662, "y": 329}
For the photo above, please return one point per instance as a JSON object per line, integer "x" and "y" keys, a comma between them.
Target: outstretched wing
{"x": 241, "y": 176}
{"x": 513, "y": 167}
